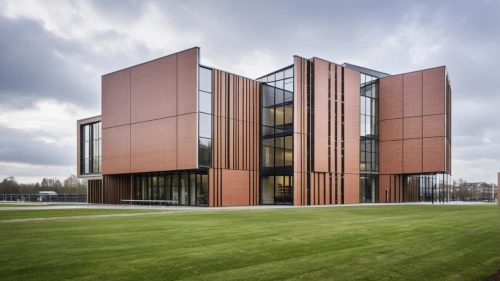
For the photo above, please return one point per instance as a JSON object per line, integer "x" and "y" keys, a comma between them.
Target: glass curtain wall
{"x": 277, "y": 138}
{"x": 90, "y": 148}
{"x": 205, "y": 117}
{"x": 189, "y": 188}
{"x": 429, "y": 187}
{"x": 369, "y": 155}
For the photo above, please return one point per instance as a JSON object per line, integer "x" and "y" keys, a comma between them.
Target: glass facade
{"x": 90, "y": 147}
{"x": 428, "y": 187}
{"x": 277, "y": 138}
{"x": 205, "y": 117}
{"x": 189, "y": 188}
{"x": 369, "y": 125}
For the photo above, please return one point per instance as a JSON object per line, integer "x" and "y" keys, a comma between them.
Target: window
{"x": 277, "y": 138}
{"x": 205, "y": 118}
{"x": 90, "y": 162}
{"x": 187, "y": 187}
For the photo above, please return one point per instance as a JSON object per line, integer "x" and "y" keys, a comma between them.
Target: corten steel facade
{"x": 312, "y": 133}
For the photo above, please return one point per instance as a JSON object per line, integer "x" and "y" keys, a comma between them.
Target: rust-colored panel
{"x": 187, "y": 143}
{"x": 187, "y": 72}
{"x": 391, "y": 157}
{"x": 351, "y": 188}
{"x": 339, "y": 121}
{"x": 154, "y": 89}
{"x": 154, "y": 145}
{"x": 434, "y": 154}
{"x": 115, "y": 98}
{"x": 412, "y": 156}
{"x": 434, "y": 126}
{"x": 116, "y": 150}
{"x": 391, "y": 129}
{"x": 333, "y": 123}
{"x": 412, "y": 94}
{"x": 211, "y": 188}
{"x": 351, "y": 121}
{"x": 434, "y": 91}
{"x": 235, "y": 188}
{"x": 412, "y": 128}
{"x": 320, "y": 138}
{"x": 391, "y": 97}
{"x": 241, "y": 152}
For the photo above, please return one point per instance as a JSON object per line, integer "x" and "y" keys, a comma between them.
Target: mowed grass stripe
{"x": 59, "y": 213}
{"x": 353, "y": 243}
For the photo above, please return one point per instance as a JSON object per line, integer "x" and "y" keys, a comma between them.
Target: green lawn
{"x": 351, "y": 243}
{"x": 51, "y": 213}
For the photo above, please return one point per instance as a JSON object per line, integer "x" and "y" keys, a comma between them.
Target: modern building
{"x": 311, "y": 133}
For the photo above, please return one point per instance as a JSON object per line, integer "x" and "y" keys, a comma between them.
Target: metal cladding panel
{"x": 320, "y": 133}
{"x": 339, "y": 125}
{"x": 391, "y": 97}
{"x": 434, "y": 154}
{"x": 187, "y": 73}
{"x": 351, "y": 188}
{"x": 434, "y": 126}
{"x": 434, "y": 91}
{"x": 412, "y": 161}
{"x": 412, "y": 94}
{"x": 187, "y": 142}
{"x": 391, "y": 129}
{"x": 116, "y": 150}
{"x": 351, "y": 121}
{"x": 412, "y": 128}
{"x": 154, "y": 145}
{"x": 154, "y": 89}
{"x": 391, "y": 157}
{"x": 236, "y": 187}
{"x": 116, "y": 99}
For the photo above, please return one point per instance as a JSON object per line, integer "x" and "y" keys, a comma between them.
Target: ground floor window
{"x": 368, "y": 188}
{"x": 189, "y": 188}
{"x": 276, "y": 189}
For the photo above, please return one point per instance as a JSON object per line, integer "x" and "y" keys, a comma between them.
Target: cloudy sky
{"x": 53, "y": 53}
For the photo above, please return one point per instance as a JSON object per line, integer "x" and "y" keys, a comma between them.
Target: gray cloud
{"x": 18, "y": 146}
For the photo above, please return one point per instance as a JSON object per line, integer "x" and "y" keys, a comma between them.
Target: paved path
{"x": 204, "y": 209}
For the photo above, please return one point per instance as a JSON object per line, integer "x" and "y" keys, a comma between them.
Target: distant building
{"x": 311, "y": 133}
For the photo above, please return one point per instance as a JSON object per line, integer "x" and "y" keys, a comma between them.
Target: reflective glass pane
{"x": 86, "y": 132}
{"x": 267, "y": 190}
{"x": 288, "y": 114}
{"x": 267, "y": 156}
{"x": 279, "y": 84}
{"x": 205, "y": 152}
{"x": 279, "y": 75}
{"x": 268, "y": 96}
{"x": 202, "y": 196}
{"x": 362, "y": 105}
{"x": 267, "y": 131}
{"x": 279, "y": 157}
{"x": 288, "y": 96}
{"x": 289, "y": 72}
{"x": 268, "y": 116}
{"x": 205, "y": 125}
{"x": 280, "y": 115}
{"x": 289, "y": 84}
{"x": 289, "y": 142}
{"x": 288, "y": 157}
{"x": 205, "y": 102}
{"x": 184, "y": 189}
{"x": 271, "y": 78}
{"x": 205, "y": 79}
{"x": 268, "y": 142}
{"x": 279, "y": 96}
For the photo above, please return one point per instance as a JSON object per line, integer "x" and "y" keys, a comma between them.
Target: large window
{"x": 277, "y": 138}
{"x": 205, "y": 117}
{"x": 90, "y": 148}
{"x": 188, "y": 188}
{"x": 369, "y": 124}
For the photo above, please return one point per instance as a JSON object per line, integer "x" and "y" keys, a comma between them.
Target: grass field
{"x": 350, "y": 243}
{"x": 52, "y": 213}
